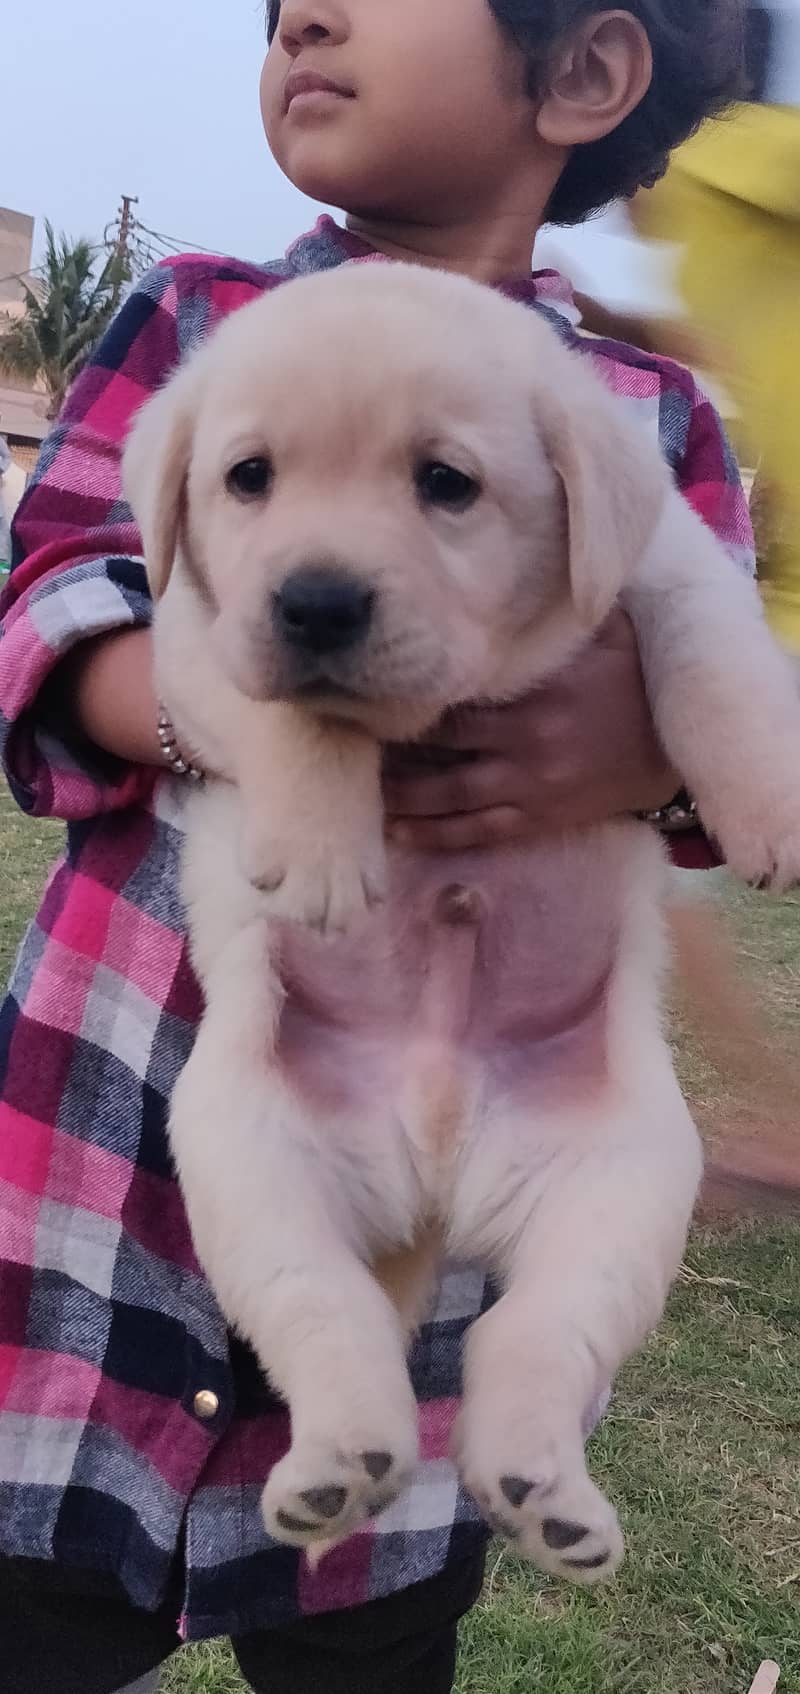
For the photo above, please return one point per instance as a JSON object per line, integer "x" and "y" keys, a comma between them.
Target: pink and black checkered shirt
{"x": 108, "y": 1329}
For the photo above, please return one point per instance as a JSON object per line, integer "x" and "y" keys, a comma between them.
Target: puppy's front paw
{"x": 761, "y": 844}
{"x": 302, "y": 883}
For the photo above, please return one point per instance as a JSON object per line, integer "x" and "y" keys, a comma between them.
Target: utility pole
{"x": 123, "y": 242}
{"x": 123, "y": 238}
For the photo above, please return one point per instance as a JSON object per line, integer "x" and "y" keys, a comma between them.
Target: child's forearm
{"x": 617, "y": 326}
{"x": 109, "y": 691}
{"x": 669, "y": 337}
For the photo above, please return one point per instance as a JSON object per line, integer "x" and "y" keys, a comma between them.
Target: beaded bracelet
{"x": 170, "y": 750}
{"x": 675, "y": 819}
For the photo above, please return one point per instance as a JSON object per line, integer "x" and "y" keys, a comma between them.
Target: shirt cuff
{"x": 51, "y": 770}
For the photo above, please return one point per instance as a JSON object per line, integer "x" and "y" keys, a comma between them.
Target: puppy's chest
{"x": 490, "y": 965}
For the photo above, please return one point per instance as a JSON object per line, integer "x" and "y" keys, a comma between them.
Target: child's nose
{"x": 310, "y": 23}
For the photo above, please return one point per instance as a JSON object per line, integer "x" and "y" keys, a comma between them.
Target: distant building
{"x": 23, "y": 406}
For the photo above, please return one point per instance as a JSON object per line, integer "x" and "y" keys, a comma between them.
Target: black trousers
{"x": 61, "y": 1635}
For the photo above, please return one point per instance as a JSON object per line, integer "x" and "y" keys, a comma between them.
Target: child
{"x": 135, "y": 1433}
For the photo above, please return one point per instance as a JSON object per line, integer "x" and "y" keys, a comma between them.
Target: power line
{"x": 17, "y": 276}
{"x": 149, "y": 243}
{"x": 125, "y": 237}
{"x": 37, "y": 270}
{"x": 176, "y": 244}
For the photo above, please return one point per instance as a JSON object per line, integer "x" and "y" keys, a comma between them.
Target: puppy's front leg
{"x": 312, "y": 815}
{"x": 273, "y": 1231}
{"x": 312, "y": 825}
{"x": 724, "y": 698}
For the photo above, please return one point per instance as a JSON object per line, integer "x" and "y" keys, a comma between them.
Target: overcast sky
{"x": 159, "y": 98}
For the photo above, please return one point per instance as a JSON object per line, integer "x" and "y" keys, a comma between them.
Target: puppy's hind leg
{"x": 584, "y": 1282}
{"x": 274, "y": 1232}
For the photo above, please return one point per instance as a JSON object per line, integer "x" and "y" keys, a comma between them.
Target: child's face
{"x": 428, "y": 120}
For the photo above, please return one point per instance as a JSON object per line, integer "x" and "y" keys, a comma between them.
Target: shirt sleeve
{"x": 708, "y": 477}
{"x": 77, "y": 568}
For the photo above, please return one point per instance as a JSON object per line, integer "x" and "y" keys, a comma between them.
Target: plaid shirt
{"x": 108, "y": 1329}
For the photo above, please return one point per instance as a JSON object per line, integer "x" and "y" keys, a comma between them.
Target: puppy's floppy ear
{"x": 614, "y": 480}
{"x": 155, "y": 465}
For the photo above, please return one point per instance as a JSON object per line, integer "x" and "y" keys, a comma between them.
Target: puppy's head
{"x": 394, "y": 491}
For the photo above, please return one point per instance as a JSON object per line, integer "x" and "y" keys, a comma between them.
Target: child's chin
{"x": 304, "y": 165}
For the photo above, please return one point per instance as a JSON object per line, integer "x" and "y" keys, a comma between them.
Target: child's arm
{"x": 108, "y": 689}
{"x": 671, "y": 337}
{"x": 577, "y": 751}
{"x": 77, "y": 711}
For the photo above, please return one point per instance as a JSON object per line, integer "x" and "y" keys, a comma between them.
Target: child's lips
{"x": 309, "y": 85}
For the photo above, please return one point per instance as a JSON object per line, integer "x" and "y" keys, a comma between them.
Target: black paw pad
{"x": 296, "y": 1526}
{"x": 376, "y": 1464}
{"x": 326, "y": 1502}
{"x": 516, "y": 1489}
{"x": 590, "y": 1564}
{"x": 559, "y": 1534}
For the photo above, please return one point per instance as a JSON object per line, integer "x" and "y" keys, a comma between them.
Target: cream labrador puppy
{"x": 370, "y": 496}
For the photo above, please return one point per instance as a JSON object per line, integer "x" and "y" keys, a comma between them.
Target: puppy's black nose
{"x": 322, "y": 610}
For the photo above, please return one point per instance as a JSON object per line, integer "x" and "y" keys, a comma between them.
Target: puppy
{"x": 370, "y": 496}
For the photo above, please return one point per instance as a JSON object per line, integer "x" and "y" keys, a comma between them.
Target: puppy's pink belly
{"x": 517, "y": 993}
{"x": 562, "y": 1058}
{"x": 343, "y": 1070}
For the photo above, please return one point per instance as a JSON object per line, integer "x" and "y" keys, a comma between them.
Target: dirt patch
{"x": 736, "y": 1032}
{"x": 752, "y": 1168}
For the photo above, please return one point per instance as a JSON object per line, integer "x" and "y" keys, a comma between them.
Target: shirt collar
{"x": 328, "y": 245}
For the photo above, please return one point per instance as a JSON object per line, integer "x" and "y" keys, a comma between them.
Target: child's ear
{"x": 599, "y": 75}
{"x": 155, "y": 466}
{"x": 614, "y": 481}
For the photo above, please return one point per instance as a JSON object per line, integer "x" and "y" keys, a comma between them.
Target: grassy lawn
{"x": 27, "y": 849}
{"x": 700, "y": 1449}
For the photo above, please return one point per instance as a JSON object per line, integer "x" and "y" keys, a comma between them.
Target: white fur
{"x": 582, "y": 1211}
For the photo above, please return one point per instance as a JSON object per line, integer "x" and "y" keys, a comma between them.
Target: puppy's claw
{"x": 268, "y": 882}
{"x": 758, "y": 826}
{"x": 316, "y": 1552}
{"x": 374, "y": 889}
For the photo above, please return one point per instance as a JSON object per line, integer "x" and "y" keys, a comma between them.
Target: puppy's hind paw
{"x": 542, "y": 1501}
{"x": 316, "y": 1499}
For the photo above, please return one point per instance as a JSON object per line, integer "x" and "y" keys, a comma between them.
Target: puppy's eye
{"x": 251, "y": 479}
{"x": 442, "y": 485}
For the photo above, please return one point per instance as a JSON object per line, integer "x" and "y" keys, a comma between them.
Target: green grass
{"x": 27, "y": 849}
{"x": 700, "y": 1449}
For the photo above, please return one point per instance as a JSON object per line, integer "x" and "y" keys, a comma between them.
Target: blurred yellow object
{"x": 731, "y": 199}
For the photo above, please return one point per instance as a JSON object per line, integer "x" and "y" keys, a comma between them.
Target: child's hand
{"x": 578, "y": 751}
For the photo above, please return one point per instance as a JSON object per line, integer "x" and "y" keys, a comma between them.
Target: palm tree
{"x": 65, "y": 315}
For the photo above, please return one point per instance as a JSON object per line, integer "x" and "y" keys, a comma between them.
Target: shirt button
{"x": 206, "y": 1405}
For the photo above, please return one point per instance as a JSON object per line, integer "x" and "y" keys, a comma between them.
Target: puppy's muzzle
{"x": 320, "y": 611}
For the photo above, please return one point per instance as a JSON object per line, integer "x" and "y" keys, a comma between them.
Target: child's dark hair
{"x": 698, "y": 69}
{"x": 698, "y": 51}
